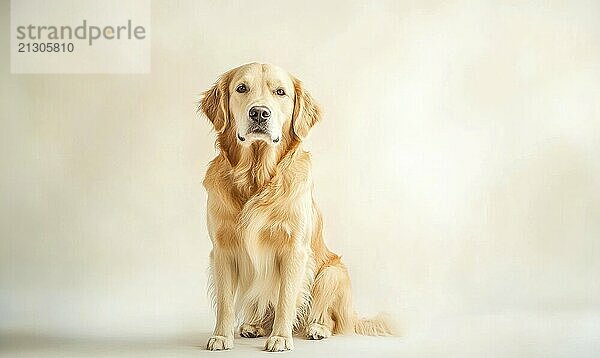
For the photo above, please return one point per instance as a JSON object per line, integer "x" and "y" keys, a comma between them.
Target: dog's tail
{"x": 380, "y": 325}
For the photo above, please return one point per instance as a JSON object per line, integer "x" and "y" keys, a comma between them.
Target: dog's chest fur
{"x": 258, "y": 228}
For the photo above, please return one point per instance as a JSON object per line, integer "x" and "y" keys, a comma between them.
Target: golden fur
{"x": 269, "y": 265}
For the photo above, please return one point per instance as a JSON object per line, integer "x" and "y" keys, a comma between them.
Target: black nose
{"x": 259, "y": 114}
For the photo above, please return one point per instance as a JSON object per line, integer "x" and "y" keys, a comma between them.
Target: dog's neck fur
{"x": 253, "y": 166}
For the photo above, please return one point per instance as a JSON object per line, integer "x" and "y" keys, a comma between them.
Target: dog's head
{"x": 260, "y": 102}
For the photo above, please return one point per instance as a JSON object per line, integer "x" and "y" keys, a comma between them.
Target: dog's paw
{"x": 252, "y": 331}
{"x": 318, "y": 331}
{"x": 279, "y": 344}
{"x": 219, "y": 343}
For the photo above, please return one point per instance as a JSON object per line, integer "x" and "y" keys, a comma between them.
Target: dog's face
{"x": 260, "y": 102}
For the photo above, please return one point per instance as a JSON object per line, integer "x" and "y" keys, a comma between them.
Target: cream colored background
{"x": 457, "y": 166}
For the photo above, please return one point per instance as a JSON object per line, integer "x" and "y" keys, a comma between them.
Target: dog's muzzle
{"x": 258, "y": 123}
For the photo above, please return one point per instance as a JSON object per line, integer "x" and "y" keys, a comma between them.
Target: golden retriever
{"x": 269, "y": 264}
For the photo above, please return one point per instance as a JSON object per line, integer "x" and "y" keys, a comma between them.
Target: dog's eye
{"x": 280, "y": 92}
{"x": 241, "y": 88}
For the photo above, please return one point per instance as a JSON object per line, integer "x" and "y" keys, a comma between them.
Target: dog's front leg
{"x": 223, "y": 274}
{"x": 292, "y": 266}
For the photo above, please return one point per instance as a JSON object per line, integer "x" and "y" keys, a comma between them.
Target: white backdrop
{"x": 461, "y": 140}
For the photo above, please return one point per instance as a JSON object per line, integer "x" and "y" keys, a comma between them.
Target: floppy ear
{"x": 306, "y": 111}
{"x": 215, "y": 103}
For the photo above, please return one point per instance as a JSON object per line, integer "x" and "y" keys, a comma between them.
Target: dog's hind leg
{"x": 256, "y": 324}
{"x": 330, "y": 309}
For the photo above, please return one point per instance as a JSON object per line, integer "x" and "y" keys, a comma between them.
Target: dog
{"x": 269, "y": 265}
